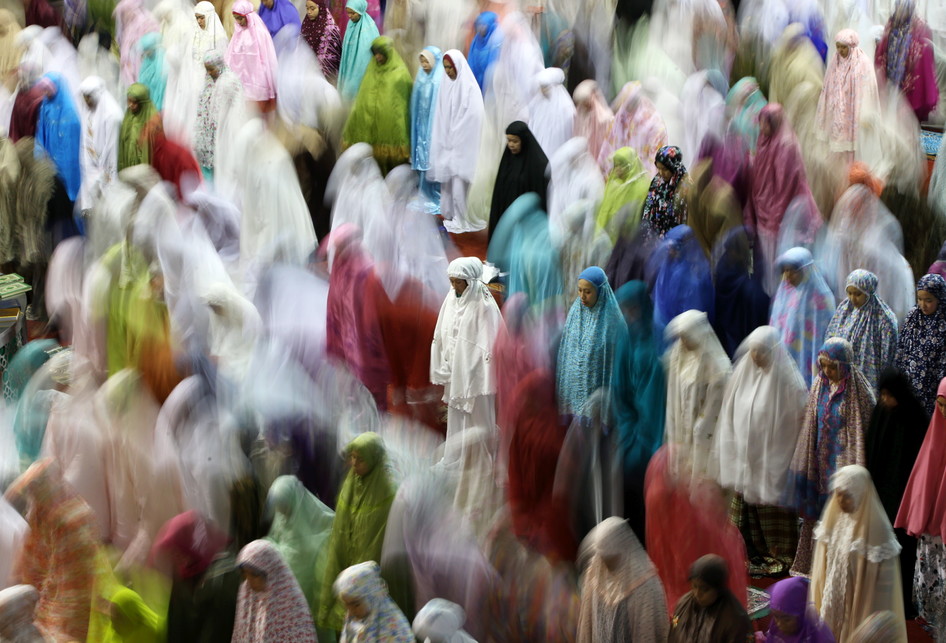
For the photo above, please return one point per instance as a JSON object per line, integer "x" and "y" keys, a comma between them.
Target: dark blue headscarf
{"x": 741, "y": 303}
{"x": 282, "y": 14}
{"x": 684, "y": 279}
{"x": 484, "y": 50}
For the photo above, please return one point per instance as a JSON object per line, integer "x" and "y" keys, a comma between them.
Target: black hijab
{"x": 894, "y": 438}
{"x": 519, "y": 174}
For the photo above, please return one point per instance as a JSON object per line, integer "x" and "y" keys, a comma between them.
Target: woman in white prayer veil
{"x": 583, "y": 243}
{"x": 96, "y": 60}
{"x": 64, "y": 58}
{"x": 185, "y": 74}
{"x": 551, "y": 110}
{"x": 697, "y": 373}
{"x": 506, "y": 99}
{"x": 209, "y": 34}
{"x": 856, "y": 566}
{"x": 276, "y": 225}
{"x": 440, "y": 621}
{"x": 574, "y": 177}
{"x": 35, "y": 51}
{"x": 863, "y": 234}
{"x": 98, "y": 155}
{"x": 622, "y": 598}
{"x": 703, "y": 111}
{"x": 458, "y": 128}
{"x": 888, "y": 142}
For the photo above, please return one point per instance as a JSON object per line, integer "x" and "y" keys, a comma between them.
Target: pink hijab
{"x": 849, "y": 84}
{"x": 923, "y": 510}
{"x": 637, "y": 124}
{"x": 777, "y": 175}
{"x": 594, "y": 117}
{"x": 251, "y": 54}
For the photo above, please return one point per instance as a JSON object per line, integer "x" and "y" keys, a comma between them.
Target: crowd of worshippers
{"x": 277, "y": 391}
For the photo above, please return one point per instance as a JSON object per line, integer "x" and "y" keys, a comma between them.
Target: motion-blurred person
{"x": 622, "y": 598}
{"x": 270, "y": 607}
{"x": 361, "y": 515}
{"x": 132, "y": 149}
{"x": 741, "y": 303}
{"x": 761, "y": 415}
{"x": 252, "y": 56}
{"x": 154, "y": 72}
{"x": 130, "y": 619}
{"x": 485, "y": 46}
{"x": 455, "y": 140}
{"x": 462, "y": 348}
{"x": 371, "y": 615}
{"x": 277, "y": 14}
{"x": 59, "y": 131}
{"x": 441, "y": 621}
{"x": 684, "y": 280}
{"x": 381, "y": 113}
{"x": 793, "y": 616}
{"x": 424, "y": 101}
{"x": 102, "y": 119}
{"x": 637, "y": 124}
{"x": 856, "y": 570}
{"x": 17, "y": 612}
{"x": 593, "y": 116}
{"x": 921, "y": 347}
{"x": 709, "y": 612}
{"x": 360, "y": 33}
{"x": 904, "y": 58}
{"x": 833, "y": 436}
{"x": 551, "y": 111}
{"x": 624, "y": 194}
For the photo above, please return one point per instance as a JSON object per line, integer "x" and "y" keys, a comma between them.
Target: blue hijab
{"x": 356, "y": 50}
{"x": 684, "y": 279}
{"x": 423, "y": 108}
{"x": 153, "y": 73}
{"x": 59, "y": 133}
{"x": 282, "y": 14}
{"x": 587, "y": 349}
{"x": 484, "y": 50}
{"x": 638, "y": 383}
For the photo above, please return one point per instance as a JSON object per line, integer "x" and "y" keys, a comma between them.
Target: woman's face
{"x": 449, "y": 69}
{"x": 926, "y": 302}
{"x": 311, "y": 10}
{"x": 830, "y": 369}
{"x": 133, "y": 106}
{"x": 792, "y": 276}
{"x": 787, "y": 623}
{"x": 587, "y": 293}
{"x": 845, "y": 501}
{"x": 941, "y": 405}
{"x": 212, "y": 70}
{"x": 856, "y": 297}
{"x": 268, "y": 3}
{"x": 459, "y": 285}
{"x": 358, "y": 464}
{"x": 703, "y": 594}
{"x": 664, "y": 171}
{"x": 887, "y": 400}
{"x": 765, "y": 129}
{"x": 353, "y": 15}
{"x": 380, "y": 58}
{"x": 357, "y": 609}
{"x": 255, "y": 580}
{"x": 201, "y": 20}
{"x": 425, "y": 64}
{"x": 760, "y": 358}
{"x": 843, "y": 50}
{"x": 240, "y": 20}
{"x": 514, "y": 143}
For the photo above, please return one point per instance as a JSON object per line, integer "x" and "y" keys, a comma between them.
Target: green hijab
{"x": 628, "y": 183}
{"x": 361, "y": 515}
{"x": 300, "y": 529}
{"x": 135, "y": 620}
{"x": 131, "y": 151}
{"x": 381, "y": 114}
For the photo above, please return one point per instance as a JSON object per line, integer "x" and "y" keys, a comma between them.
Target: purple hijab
{"x": 790, "y": 596}
{"x": 282, "y": 14}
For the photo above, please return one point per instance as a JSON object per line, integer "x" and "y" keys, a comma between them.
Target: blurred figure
{"x": 622, "y": 598}
{"x": 360, "y": 33}
{"x": 423, "y": 109}
{"x": 593, "y": 116}
{"x": 205, "y": 579}
{"x": 904, "y": 58}
{"x": 684, "y": 278}
{"x": 856, "y": 571}
{"x": 17, "y": 609}
{"x": 361, "y": 515}
{"x": 761, "y": 415}
{"x": 523, "y": 169}
{"x": 743, "y": 104}
{"x": 551, "y": 111}
{"x": 462, "y": 347}
{"x": 102, "y": 119}
{"x": 321, "y": 33}
{"x": 132, "y": 150}
{"x": 637, "y": 124}
{"x": 665, "y": 207}
{"x": 133, "y": 19}
{"x": 154, "y": 72}
{"x": 270, "y": 607}
{"x": 589, "y": 338}
{"x": 277, "y": 14}
{"x": 921, "y": 348}
{"x": 624, "y": 194}
{"x": 697, "y": 374}
{"x": 921, "y": 515}
{"x": 59, "y": 130}
{"x": 455, "y": 140}
{"x": 132, "y": 620}
{"x": 839, "y": 407}
{"x": 741, "y": 304}
{"x": 849, "y": 85}
{"x": 709, "y": 612}
{"x": 802, "y": 309}
{"x": 485, "y": 46}
{"x": 371, "y": 615}
{"x": 879, "y": 627}
{"x": 381, "y": 113}
{"x": 793, "y": 616}
{"x": 252, "y": 56}
{"x": 868, "y": 323}
{"x": 441, "y": 621}
{"x": 894, "y": 438}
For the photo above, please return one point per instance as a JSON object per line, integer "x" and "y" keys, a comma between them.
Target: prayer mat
{"x": 757, "y": 604}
